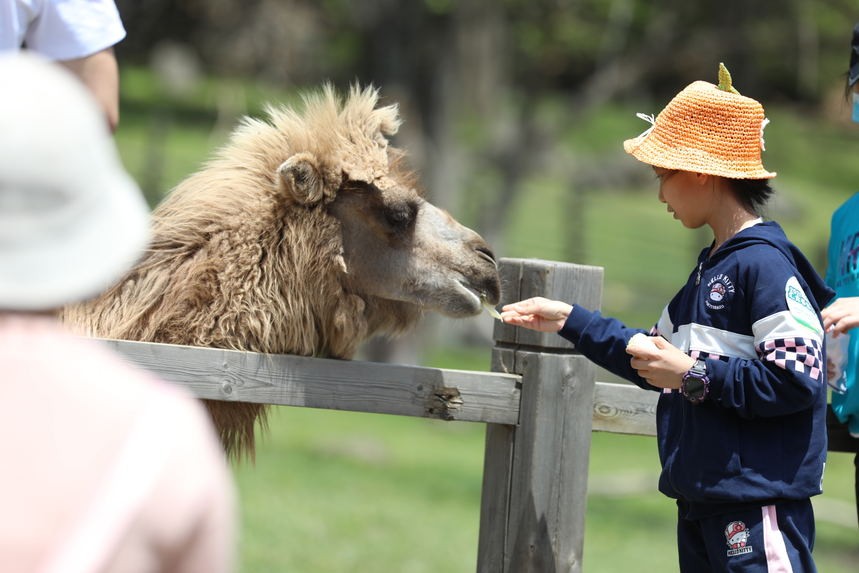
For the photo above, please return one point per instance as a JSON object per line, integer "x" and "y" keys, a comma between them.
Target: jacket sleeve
{"x": 788, "y": 373}
{"x": 603, "y": 340}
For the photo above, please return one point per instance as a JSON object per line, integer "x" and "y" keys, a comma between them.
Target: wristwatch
{"x": 696, "y": 384}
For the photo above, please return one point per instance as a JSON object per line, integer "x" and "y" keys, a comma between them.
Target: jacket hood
{"x": 772, "y": 234}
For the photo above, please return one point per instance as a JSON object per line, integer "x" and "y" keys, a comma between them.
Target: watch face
{"x": 695, "y": 388}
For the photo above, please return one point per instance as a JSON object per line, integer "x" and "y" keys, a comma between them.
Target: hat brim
{"x": 652, "y": 152}
{"x": 46, "y": 274}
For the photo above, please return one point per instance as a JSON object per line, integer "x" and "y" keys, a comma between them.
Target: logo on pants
{"x": 737, "y": 538}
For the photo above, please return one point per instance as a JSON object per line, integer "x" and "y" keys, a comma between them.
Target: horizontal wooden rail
{"x": 627, "y": 409}
{"x": 352, "y": 385}
{"x": 624, "y": 409}
{"x": 280, "y": 379}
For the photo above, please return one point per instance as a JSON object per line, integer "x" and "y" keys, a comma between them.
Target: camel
{"x": 304, "y": 234}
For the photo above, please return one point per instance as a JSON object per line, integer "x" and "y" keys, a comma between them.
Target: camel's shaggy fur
{"x": 256, "y": 252}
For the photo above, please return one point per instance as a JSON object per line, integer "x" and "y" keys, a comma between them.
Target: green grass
{"x": 333, "y": 492}
{"x": 338, "y": 491}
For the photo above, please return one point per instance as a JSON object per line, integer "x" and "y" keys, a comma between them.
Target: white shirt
{"x": 59, "y": 29}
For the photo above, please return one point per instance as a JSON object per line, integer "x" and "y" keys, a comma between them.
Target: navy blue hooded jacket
{"x": 752, "y": 311}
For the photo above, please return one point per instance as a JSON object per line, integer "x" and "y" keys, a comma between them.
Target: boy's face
{"x": 682, "y": 192}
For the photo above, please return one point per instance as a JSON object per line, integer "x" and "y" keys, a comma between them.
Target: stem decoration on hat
{"x": 725, "y": 82}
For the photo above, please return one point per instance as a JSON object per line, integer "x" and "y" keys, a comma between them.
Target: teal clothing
{"x": 842, "y": 275}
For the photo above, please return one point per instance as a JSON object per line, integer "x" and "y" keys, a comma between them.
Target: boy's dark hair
{"x": 752, "y": 193}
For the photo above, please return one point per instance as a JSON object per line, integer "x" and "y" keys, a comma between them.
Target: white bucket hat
{"x": 72, "y": 221}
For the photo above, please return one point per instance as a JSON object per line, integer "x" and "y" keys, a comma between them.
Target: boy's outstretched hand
{"x": 537, "y": 313}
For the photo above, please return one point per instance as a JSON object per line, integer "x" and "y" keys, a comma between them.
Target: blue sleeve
{"x": 754, "y": 388}
{"x": 603, "y": 340}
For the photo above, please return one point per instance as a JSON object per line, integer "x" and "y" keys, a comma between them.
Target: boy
{"x": 737, "y": 354}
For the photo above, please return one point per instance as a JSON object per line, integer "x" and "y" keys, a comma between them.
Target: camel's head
{"x": 396, "y": 246}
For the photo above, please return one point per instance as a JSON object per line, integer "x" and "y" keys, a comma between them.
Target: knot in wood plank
{"x": 444, "y": 403}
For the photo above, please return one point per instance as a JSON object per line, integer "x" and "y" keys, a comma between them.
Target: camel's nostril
{"x": 485, "y": 253}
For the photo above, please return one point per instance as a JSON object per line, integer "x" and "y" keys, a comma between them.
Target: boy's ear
{"x": 299, "y": 176}
{"x": 703, "y": 179}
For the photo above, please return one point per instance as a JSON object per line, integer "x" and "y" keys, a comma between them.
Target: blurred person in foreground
{"x": 841, "y": 318}
{"x": 105, "y": 468}
{"x": 737, "y": 354}
{"x": 77, "y": 34}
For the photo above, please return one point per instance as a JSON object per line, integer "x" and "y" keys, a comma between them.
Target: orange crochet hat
{"x": 706, "y": 129}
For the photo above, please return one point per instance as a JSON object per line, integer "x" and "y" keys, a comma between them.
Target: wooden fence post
{"x": 535, "y": 473}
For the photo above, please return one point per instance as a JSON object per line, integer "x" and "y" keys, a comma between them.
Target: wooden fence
{"x": 540, "y": 404}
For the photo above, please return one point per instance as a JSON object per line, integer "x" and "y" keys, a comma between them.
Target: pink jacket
{"x": 104, "y": 468}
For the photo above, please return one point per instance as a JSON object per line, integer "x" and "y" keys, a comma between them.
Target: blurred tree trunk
{"x": 808, "y": 52}
{"x": 447, "y": 67}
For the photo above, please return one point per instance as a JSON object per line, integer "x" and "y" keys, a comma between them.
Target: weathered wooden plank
{"x": 550, "y": 465}
{"x": 495, "y": 498}
{"x": 624, "y": 409}
{"x": 627, "y": 409}
{"x": 496, "y": 491}
{"x": 525, "y": 278}
{"x": 510, "y": 275}
{"x": 394, "y": 389}
{"x": 357, "y": 386}
{"x": 540, "y": 482}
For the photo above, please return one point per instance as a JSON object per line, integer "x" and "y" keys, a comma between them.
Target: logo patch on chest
{"x": 720, "y": 290}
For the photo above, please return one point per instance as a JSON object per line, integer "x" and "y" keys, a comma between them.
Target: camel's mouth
{"x": 477, "y": 299}
{"x": 474, "y": 296}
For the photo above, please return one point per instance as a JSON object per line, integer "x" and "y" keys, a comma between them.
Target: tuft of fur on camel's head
{"x": 303, "y": 235}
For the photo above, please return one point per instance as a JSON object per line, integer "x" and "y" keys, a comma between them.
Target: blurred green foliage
{"x": 785, "y": 49}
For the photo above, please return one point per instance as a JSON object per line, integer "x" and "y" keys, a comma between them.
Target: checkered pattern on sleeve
{"x": 798, "y": 354}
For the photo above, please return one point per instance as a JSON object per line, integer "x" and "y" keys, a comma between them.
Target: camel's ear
{"x": 300, "y": 177}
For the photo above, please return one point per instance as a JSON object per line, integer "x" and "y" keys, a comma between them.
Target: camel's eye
{"x": 391, "y": 212}
{"x": 359, "y": 187}
{"x": 400, "y": 217}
